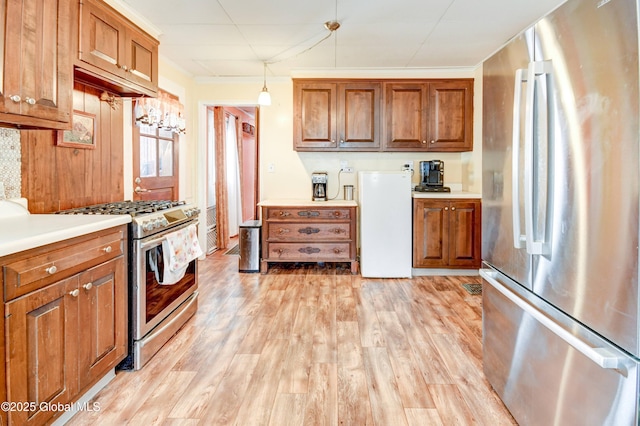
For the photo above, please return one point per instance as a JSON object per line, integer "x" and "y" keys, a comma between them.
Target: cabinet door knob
{"x": 30, "y": 101}
{"x": 446, "y": 208}
{"x": 75, "y": 292}
{"x": 453, "y": 208}
{"x": 424, "y": 141}
{"x": 107, "y": 249}
{"x": 87, "y": 286}
{"x": 433, "y": 141}
{"x": 15, "y": 98}
{"x": 51, "y": 270}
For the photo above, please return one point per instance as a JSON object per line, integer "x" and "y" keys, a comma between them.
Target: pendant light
{"x": 264, "y": 98}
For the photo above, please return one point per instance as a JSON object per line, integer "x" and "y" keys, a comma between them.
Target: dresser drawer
{"x": 307, "y": 214}
{"x": 308, "y": 231}
{"x": 308, "y": 252}
{"x": 37, "y": 268}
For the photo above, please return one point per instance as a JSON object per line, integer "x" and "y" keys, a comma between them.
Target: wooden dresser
{"x": 299, "y": 231}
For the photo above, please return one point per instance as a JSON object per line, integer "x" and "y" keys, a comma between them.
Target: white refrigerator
{"x": 385, "y": 224}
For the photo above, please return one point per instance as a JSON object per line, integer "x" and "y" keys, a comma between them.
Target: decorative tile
{"x": 10, "y": 157}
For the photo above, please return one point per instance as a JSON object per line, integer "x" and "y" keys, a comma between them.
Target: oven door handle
{"x": 157, "y": 241}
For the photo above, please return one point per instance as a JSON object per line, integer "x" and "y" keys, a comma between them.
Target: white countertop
{"x": 26, "y": 232}
{"x": 307, "y": 203}
{"x": 452, "y": 194}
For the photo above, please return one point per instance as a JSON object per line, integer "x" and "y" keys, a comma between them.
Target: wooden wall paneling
{"x": 115, "y": 183}
{"x": 39, "y": 177}
{"x": 57, "y": 178}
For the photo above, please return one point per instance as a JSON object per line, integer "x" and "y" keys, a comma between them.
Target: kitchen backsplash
{"x": 10, "y": 171}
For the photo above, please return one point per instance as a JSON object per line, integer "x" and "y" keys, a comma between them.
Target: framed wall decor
{"x": 82, "y": 133}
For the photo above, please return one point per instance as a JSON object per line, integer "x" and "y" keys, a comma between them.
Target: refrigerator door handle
{"x": 519, "y": 239}
{"x": 534, "y": 246}
{"x": 603, "y": 357}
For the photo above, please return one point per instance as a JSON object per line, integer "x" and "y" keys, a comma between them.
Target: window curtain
{"x": 233, "y": 175}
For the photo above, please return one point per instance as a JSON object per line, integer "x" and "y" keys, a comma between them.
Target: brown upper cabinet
{"x": 114, "y": 53}
{"x": 336, "y": 116}
{"x": 433, "y": 115}
{"x": 36, "y": 80}
{"x": 383, "y": 115}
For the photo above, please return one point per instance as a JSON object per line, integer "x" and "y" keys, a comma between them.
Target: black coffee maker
{"x": 432, "y": 177}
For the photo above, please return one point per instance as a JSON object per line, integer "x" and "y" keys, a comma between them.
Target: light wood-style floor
{"x": 311, "y": 345}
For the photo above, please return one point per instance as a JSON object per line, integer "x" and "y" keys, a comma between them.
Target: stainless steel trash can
{"x": 249, "y": 242}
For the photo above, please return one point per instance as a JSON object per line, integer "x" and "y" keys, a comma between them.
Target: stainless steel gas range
{"x": 160, "y": 300}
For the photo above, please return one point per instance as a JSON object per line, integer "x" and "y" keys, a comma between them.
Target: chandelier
{"x": 164, "y": 112}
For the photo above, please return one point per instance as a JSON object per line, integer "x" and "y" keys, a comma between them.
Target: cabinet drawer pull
{"x": 75, "y": 292}
{"x": 283, "y": 231}
{"x": 309, "y": 250}
{"x": 284, "y": 214}
{"x": 87, "y": 286}
{"x": 107, "y": 249}
{"x": 338, "y": 231}
{"x": 51, "y": 270}
{"x": 337, "y": 214}
{"x": 308, "y": 230}
{"x": 337, "y": 250}
{"x": 306, "y": 213}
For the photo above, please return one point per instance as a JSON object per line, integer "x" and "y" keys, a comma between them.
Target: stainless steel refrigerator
{"x": 561, "y": 165}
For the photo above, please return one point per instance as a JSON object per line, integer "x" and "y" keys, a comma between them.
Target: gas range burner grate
{"x": 133, "y": 208}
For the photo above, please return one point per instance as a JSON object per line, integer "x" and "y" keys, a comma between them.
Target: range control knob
{"x": 147, "y": 225}
{"x": 164, "y": 221}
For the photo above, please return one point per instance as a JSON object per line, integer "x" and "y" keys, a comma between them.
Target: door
{"x": 431, "y": 233}
{"x": 315, "y": 115}
{"x": 584, "y": 146}
{"x": 552, "y": 378}
{"x": 37, "y": 81}
{"x": 451, "y": 116}
{"x": 406, "y": 106}
{"x": 359, "y": 116}
{"x": 42, "y": 354}
{"x": 464, "y": 233}
{"x": 502, "y": 160}
{"x": 102, "y": 40}
{"x": 155, "y": 163}
{"x": 103, "y": 301}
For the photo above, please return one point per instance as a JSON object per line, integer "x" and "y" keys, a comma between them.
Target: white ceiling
{"x": 230, "y": 38}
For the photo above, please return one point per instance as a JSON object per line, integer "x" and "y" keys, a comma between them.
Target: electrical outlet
{"x": 407, "y": 166}
{"x": 347, "y": 169}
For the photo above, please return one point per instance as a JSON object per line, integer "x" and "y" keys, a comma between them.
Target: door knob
{"x": 139, "y": 190}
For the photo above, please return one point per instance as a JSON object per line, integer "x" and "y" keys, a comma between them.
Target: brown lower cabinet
{"x": 65, "y": 335}
{"x": 307, "y": 233}
{"x": 446, "y": 233}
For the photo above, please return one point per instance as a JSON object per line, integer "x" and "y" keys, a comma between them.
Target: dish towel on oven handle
{"x": 179, "y": 249}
